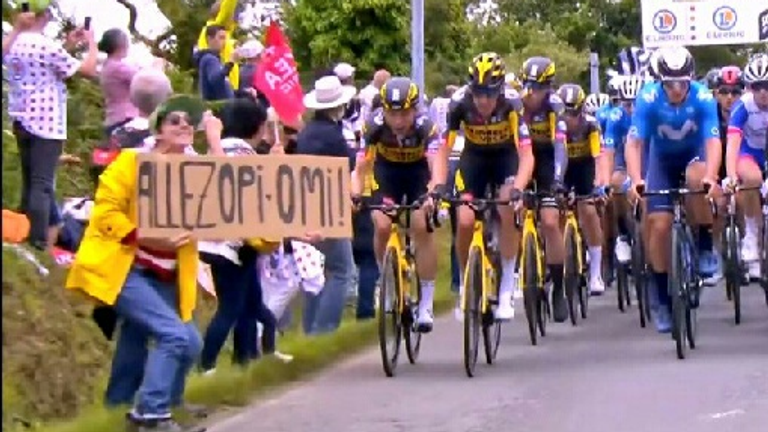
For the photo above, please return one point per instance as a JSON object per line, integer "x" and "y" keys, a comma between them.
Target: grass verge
{"x": 236, "y": 387}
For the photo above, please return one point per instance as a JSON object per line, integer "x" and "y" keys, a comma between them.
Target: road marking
{"x": 726, "y": 414}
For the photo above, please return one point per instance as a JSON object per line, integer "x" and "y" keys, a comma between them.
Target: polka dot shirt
{"x": 36, "y": 68}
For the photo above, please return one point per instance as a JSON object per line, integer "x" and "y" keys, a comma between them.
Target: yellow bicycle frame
{"x": 529, "y": 227}
{"x": 478, "y": 241}
{"x": 572, "y": 222}
{"x": 395, "y": 243}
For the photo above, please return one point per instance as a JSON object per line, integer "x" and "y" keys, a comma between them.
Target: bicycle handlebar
{"x": 394, "y": 211}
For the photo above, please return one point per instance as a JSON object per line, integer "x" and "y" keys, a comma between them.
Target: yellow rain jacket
{"x": 226, "y": 19}
{"x": 102, "y": 263}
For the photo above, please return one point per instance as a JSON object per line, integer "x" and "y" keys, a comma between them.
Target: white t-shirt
{"x": 37, "y": 96}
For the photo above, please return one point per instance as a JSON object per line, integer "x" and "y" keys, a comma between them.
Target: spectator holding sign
{"x": 323, "y": 136}
{"x": 151, "y": 282}
{"x": 37, "y": 68}
{"x": 233, "y": 263}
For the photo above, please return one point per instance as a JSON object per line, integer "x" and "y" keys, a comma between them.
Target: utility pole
{"x": 417, "y": 43}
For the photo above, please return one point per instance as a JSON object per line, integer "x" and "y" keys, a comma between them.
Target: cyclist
{"x": 541, "y": 111}
{"x": 614, "y": 137}
{"x": 497, "y": 152}
{"x": 745, "y": 155}
{"x": 727, "y": 85}
{"x": 582, "y": 176}
{"x": 681, "y": 115}
{"x": 613, "y": 101}
{"x": 399, "y": 140}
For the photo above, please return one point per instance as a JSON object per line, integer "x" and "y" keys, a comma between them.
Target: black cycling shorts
{"x": 393, "y": 181}
{"x": 544, "y": 169}
{"x": 479, "y": 170}
{"x": 580, "y": 176}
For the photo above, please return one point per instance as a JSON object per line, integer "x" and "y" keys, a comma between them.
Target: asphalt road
{"x": 607, "y": 375}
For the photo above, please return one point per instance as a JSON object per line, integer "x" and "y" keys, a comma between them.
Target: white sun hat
{"x": 329, "y": 93}
{"x": 344, "y": 70}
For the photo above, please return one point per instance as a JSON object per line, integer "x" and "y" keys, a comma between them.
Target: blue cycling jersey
{"x": 602, "y": 116}
{"x": 617, "y": 127}
{"x": 675, "y": 130}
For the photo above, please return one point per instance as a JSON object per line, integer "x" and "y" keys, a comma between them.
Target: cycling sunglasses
{"x": 534, "y": 86}
{"x": 759, "y": 86}
{"x": 483, "y": 91}
{"x": 733, "y": 91}
{"x": 676, "y": 85}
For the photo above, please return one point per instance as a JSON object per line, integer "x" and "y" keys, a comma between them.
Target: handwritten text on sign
{"x": 227, "y": 198}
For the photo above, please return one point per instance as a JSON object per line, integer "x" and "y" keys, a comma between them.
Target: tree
{"x": 368, "y": 33}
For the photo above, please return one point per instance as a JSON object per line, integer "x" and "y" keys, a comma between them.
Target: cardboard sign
{"x": 230, "y": 198}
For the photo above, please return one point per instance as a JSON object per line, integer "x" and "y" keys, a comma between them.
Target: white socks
{"x": 595, "y": 261}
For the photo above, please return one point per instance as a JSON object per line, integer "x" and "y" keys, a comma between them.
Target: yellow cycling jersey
{"x": 381, "y": 143}
{"x": 543, "y": 122}
{"x": 503, "y": 129}
{"x": 583, "y": 139}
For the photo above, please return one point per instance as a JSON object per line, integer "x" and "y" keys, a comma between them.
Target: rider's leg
{"x": 699, "y": 216}
{"x": 509, "y": 245}
{"x": 426, "y": 265}
{"x": 553, "y": 235}
{"x": 659, "y": 228}
{"x": 593, "y": 235}
{"x": 749, "y": 201}
{"x": 620, "y": 214}
{"x": 382, "y": 226}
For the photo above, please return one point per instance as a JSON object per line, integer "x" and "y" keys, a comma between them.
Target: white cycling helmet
{"x": 595, "y": 101}
{"x": 757, "y": 69}
{"x": 629, "y": 87}
{"x": 675, "y": 64}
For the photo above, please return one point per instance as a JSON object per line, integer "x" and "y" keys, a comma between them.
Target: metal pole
{"x": 594, "y": 73}
{"x": 417, "y": 43}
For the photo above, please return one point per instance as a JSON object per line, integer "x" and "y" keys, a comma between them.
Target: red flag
{"x": 278, "y": 79}
{"x": 275, "y": 36}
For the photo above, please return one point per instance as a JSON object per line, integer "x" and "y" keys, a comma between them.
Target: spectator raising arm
{"x": 23, "y": 21}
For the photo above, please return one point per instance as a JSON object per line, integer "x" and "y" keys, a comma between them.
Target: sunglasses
{"x": 176, "y": 118}
{"x": 572, "y": 111}
{"x": 489, "y": 92}
{"x": 676, "y": 85}
{"x": 759, "y": 86}
{"x": 535, "y": 86}
{"x": 733, "y": 91}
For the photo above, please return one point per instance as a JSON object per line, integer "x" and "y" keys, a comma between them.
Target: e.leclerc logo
{"x": 725, "y": 18}
{"x": 664, "y": 21}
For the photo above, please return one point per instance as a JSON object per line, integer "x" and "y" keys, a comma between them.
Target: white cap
{"x": 250, "y": 49}
{"x": 344, "y": 70}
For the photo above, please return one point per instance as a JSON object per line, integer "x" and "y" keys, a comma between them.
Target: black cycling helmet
{"x": 538, "y": 70}
{"x": 487, "y": 71}
{"x": 399, "y": 93}
{"x": 711, "y": 78}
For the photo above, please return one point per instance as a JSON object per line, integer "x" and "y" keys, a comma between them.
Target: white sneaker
{"x": 596, "y": 285}
{"x": 753, "y": 271}
{"x": 506, "y": 309}
{"x": 425, "y": 320}
{"x": 285, "y": 358}
{"x": 623, "y": 251}
{"x": 749, "y": 249}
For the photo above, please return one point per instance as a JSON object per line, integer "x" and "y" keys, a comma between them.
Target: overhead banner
{"x": 704, "y": 22}
{"x": 231, "y": 198}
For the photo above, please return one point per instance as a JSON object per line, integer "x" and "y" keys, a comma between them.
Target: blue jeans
{"x": 149, "y": 309}
{"x": 452, "y": 167}
{"x": 322, "y": 313}
{"x": 367, "y": 278}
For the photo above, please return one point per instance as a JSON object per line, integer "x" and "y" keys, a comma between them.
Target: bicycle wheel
{"x": 472, "y": 314}
{"x": 622, "y": 286}
{"x": 411, "y": 336}
{"x": 492, "y": 327}
{"x": 676, "y": 287}
{"x": 572, "y": 276}
{"x": 542, "y": 298}
{"x": 638, "y": 276}
{"x": 733, "y": 271}
{"x": 530, "y": 275}
{"x": 764, "y": 258}
{"x": 389, "y": 317}
{"x": 583, "y": 288}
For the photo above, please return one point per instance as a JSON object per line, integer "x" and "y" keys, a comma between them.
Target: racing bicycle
{"x": 400, "y": 288}
{"x": 482, "y": 277}
{"x": 575, "y": 260}
{"x": 532, "y": 276}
